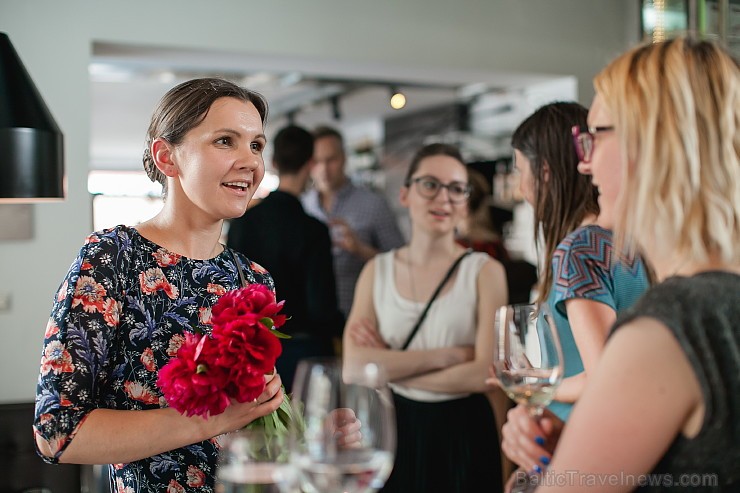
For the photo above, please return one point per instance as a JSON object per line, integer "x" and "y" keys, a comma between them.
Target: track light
{"x": 335, "y": 107}
{"x": 398, "y": 100}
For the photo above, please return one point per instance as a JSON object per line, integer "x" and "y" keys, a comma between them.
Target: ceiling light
{"x": 31, "y": 144}
{"x": 336, "y": 112}
{"x": 398, "y": 100}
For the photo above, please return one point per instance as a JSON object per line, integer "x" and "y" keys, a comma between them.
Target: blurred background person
{"x": 296, "y": 248}
{"x": 361, "y": 222}
{"x": 447, "y": 438}
{"x": 478, "y": 232}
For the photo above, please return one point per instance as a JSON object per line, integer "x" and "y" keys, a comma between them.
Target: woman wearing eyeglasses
{"x": 583, "y": 279}
{"x": 585, "y": 282}
{"x": 447, "y": 439}
{"x": 661, "y": 412}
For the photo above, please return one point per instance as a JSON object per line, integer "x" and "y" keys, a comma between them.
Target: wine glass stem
{"x": 535, "y": 412}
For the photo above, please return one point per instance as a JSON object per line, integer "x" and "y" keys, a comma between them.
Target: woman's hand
{"x": 346, "y": 427}
{"x": 365, "y": 334}
{"x": 529, "y": 442}
{"x": 239, "y": 414}
{"x": 345, "y": 238}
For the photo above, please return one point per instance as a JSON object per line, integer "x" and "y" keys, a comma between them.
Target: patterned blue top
{"x": 585, "y": 266}
{"x": 118, "y": 317}
{"x": 372, "y": 220}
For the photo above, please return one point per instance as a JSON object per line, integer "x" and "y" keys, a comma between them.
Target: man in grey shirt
{"x": 361, "y": 222}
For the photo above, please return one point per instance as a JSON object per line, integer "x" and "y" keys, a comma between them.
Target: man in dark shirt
{"x": 296, "y": 249}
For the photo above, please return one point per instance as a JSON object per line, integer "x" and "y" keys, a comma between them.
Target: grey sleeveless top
{"x": 703, "y": 312}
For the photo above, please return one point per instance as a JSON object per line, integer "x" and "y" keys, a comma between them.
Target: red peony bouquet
{"x": 209, "y": 371}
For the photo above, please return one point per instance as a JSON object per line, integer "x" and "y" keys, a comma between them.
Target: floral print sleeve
{"x": 77, "y": 343}
{"x": 120, "y": 315}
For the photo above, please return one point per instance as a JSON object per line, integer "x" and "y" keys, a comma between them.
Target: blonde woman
{"x": 661, "y": 411}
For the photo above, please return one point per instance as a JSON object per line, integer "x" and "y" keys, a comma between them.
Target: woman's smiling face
{"x": 219, "y": 164}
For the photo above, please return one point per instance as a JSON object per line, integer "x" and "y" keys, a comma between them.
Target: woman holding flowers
{"x": 135, "y": 295}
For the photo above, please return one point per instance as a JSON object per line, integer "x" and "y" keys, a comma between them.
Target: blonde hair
{"x": 676, "y": 107}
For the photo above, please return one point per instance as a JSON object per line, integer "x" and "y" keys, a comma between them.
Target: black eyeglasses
{"x": 584, "y": 138}
{"x": 428, "y": 187}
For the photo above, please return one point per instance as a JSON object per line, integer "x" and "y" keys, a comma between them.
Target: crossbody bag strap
{"x": 242, "y": 278}
{"x": 434, "y": 296}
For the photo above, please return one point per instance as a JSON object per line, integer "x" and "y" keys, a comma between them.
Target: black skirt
{"x": 449, "y": 446}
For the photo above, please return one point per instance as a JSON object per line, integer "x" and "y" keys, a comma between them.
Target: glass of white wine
{"x": 528, "y": 361}
{"x": 347, "y": 439}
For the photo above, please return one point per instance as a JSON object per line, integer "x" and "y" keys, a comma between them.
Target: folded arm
{"x": 362, "y": 344}
{"x": 470, "y": 376}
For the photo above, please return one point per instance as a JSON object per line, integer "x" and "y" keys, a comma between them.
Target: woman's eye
{"x": 224, "y": 141}
{"x": 458, "y": 189}
{"x": 430, "y": 185}
{"x": 257, "y": 146}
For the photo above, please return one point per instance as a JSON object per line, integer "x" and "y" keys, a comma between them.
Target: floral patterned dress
{"x": 118, "y": 317}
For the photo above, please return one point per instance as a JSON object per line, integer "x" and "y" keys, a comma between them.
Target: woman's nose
{"x": 251, "y": 161}
{"x": 446, "y": 197}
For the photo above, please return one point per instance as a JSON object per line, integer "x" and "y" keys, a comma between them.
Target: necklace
{"x": 411, "y": 278}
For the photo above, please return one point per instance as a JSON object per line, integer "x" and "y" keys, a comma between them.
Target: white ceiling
{"x": 127, "y": 82}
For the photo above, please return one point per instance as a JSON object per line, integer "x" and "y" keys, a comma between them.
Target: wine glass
{"x": 346, "y": 439}
{"x": 528, "y": 360}
{"x": 252, "y": 460}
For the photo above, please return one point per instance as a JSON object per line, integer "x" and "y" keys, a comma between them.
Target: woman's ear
{"x": 162, "y": 155}
{"x": 545, "y": 172}
{"x": 403, "y": 196}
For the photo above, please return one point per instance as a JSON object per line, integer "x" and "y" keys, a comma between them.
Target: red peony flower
{"x": 243, "y": 344}
{"x": 191, "y": 383}
{"x": 255, "y": 304}
{"x": 230, "y": 363}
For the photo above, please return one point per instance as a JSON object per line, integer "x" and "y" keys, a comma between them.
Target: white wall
{"x": 53, "y": 38}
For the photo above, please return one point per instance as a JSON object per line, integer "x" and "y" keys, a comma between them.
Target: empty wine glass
{"x": 254, "y": 461}
{"x": 346, "y": 439}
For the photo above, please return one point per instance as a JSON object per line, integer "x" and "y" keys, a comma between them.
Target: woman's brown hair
{"x": 565, "y": 197}
{"x": 184, "y": 107}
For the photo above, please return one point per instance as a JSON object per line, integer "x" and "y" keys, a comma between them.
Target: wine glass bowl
{"x": 528, "y": 360}
{"x": 252, "y": 460}
{"x": 346, "y": 441}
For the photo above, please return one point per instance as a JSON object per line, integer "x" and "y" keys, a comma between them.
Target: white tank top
{"x": 451, "y": 321}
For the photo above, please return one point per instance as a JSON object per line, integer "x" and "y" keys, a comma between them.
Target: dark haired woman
{"x": 585, "y": 282}
{"x": 132, "y": 292}
{"x": 583, "y": 278}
